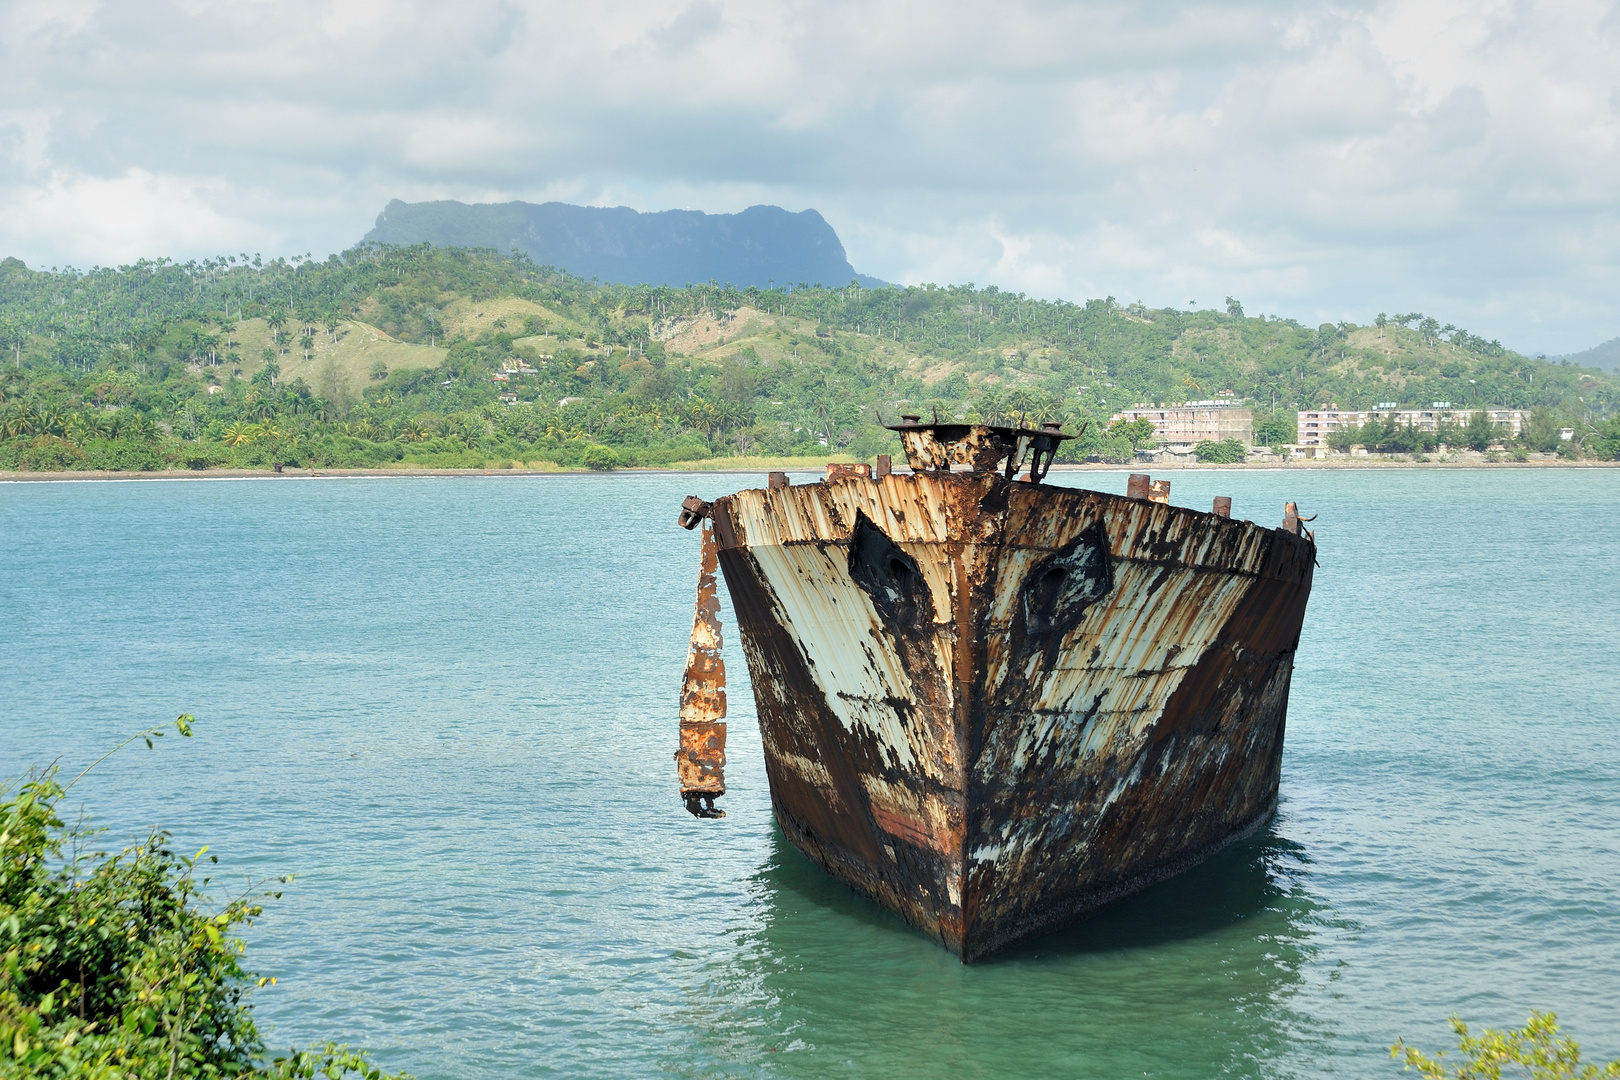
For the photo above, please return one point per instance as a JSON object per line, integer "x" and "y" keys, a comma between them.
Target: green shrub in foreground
{"x": 1536, "y": 1051}
{"x": 112, "y": 967}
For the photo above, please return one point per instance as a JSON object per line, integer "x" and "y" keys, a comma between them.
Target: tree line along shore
{"x": 443, "y": 358}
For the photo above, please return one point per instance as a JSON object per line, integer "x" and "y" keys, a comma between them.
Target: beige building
{"x": 1316, "y": 424}
{"x": 1185, "y": 426}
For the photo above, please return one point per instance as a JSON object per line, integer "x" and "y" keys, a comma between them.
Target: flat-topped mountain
{"x": 759, "y": 246}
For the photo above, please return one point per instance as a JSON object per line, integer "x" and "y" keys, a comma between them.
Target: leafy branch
{"x": 1537, "y": 1051}
{"x": 182, "y": 724}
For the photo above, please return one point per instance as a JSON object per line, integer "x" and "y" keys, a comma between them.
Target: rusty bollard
{"x": 1223, "y": 506}
{"x": 1137, "y": 486}
{"x": 1293, "y": 523}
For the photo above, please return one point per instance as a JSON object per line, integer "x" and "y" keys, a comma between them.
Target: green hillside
{"x": 391, "y": 355}
{"x": 1605, "y": 357}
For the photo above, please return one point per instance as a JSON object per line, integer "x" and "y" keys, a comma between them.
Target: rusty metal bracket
{"x": 701, "y": 760}
{"x": 1041, "y": 450}
{"x": 693, "y": 511}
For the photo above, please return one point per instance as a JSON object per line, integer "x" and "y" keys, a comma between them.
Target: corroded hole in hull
{"x": 1060, "y": 589}
{"x": 888, "y": 575}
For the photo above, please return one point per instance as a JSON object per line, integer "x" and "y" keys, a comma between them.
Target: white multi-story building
{"x": 1185, "y": 426}
{"x": 1316, "y": 424}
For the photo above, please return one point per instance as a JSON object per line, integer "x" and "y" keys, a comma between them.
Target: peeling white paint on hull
{"x": 991, "y": 704}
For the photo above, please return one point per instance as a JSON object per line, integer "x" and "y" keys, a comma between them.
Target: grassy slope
{"x": 347, "y": 360}
{"x": 786, "y": 341}
{"x": 1394, "y": 356}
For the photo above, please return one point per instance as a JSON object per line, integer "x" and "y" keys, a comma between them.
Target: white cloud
{"x": 1324, "y": 160}
{"x": 88, "y": 220}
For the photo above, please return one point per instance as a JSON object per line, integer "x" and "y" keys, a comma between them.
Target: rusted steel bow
{"x": 701, "y": 760}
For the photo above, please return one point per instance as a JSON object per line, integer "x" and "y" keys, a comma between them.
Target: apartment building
{"x": 1181, "y": 427}
{"x": 1316, "y": 424}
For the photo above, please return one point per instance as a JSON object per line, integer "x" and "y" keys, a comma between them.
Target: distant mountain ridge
{"x": 759, "y": 246}
{"x": 1605, "y": 357}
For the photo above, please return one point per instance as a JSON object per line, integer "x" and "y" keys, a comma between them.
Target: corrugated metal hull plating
{"x": 991, "y": 705}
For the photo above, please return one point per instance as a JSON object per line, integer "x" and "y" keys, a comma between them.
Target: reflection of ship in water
{"x": 989, "y": 703}
{"x": 1204, "y": 975}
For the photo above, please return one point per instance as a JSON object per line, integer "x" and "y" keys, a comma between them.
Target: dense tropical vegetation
{"x": 240, "y": 362}
{"x": 116, "y": 966}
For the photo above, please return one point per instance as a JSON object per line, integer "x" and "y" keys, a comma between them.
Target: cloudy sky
{"x": 1322, "y": 161}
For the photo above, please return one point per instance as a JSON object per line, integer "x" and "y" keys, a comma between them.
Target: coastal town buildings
{"x": 1315, "y": 425}
{"x": 1181, "y": 427}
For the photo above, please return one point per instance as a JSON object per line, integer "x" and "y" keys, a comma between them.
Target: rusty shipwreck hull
{"x": 991, "y": 704}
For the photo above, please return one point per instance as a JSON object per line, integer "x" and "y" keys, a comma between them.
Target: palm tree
{"x": 733, "y": 414}
{"x": 240, "y": 434}
{"x": 1029, "y": 403}
{"x": 993, "y": 407}
{"x": 704, "y": 416}
{"x": 46, "y": 422}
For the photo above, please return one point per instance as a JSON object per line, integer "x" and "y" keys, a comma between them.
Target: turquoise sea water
{"x": 447, "y": 705}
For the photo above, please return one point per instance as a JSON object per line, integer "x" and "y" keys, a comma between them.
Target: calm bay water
{"x": 447, "y": 706}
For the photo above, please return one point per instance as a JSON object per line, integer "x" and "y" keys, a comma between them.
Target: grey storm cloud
{"x": 1318, "y": 160}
